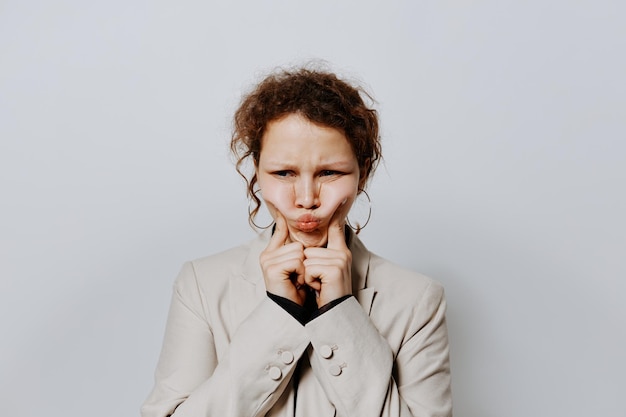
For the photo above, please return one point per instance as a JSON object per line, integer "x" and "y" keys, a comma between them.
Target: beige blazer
{"x": 230, "y": 351}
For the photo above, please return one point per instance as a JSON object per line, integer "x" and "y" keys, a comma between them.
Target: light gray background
{"x": 504, "y": 135}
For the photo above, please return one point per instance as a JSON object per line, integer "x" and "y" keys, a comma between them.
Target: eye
{"x": 328, "y": 173}
{"x": 283, "y": 173}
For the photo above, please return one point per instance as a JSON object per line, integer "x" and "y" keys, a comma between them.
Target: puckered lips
{"x": 307, "y": 223}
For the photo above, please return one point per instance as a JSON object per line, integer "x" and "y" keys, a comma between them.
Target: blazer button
{"x": 275, "y": 373}
{"x": 286, "y": 357}
{"x": 335, "y": 370}
{"x": 326, "y": 351}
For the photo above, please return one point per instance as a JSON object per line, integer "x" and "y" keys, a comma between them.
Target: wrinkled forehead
{"x": 301, "y": 125}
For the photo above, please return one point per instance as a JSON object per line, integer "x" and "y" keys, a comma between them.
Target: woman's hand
{"x": 328, "y": 270}
{"x": 283, "y": 264}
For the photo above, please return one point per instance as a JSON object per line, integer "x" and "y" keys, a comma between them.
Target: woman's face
{"x": 307, "y": 173}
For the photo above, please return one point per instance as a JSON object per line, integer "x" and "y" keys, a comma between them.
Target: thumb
{"x": 280, "y": 232}
{"x": 336, "y": 233}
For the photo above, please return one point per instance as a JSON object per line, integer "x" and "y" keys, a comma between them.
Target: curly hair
{"x": 319, "y": 96}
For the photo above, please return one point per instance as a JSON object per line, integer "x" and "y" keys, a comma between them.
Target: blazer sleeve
{"x": 361, "y": 376}
{"x": 191, "y": 381}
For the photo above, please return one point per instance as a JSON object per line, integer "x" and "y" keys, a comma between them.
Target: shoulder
{"x": 226, "y": 260}
{"x": 393, "y": 284}
{"x": 217, "y": 269}
{"x": 396, "y": 280}
{"x": 403, "y": 295}
{"x": 404, "y": 302}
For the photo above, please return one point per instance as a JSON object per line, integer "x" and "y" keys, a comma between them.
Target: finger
{"x": 312, "y": 279}
{"x": 300, "y": 279}
{"x": 331, "y": 258}
{"x": 293, "y": 250}
{"x": 281, "y": 232}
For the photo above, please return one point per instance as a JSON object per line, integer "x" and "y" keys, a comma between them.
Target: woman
{"x": 304, "y": 320}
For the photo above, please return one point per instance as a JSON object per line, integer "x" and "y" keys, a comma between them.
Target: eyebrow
{"x": 339, "y": 164}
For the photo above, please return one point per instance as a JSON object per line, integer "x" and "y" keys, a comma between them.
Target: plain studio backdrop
{"x": 504, "y": 134}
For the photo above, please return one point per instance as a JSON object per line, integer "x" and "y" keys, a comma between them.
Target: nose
{"x": 306, "y": 191}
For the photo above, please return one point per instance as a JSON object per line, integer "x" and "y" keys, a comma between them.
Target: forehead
{"x": 294, "y": 135}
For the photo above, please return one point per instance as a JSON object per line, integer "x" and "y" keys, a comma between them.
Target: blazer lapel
{"x": 360, "y": 269}
{"x": 247, "y": 288}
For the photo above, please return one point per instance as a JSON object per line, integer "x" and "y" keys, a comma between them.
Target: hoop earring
{"x": 358, "y": 227}
{"x": 251, "y": 218}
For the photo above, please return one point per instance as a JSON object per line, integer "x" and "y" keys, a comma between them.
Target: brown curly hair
{"x": 322, "y": 98}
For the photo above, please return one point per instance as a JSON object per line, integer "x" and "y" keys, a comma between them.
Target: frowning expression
{"x": 307, "y": 173}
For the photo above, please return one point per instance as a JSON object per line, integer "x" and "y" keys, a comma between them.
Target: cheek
{"x": 334, "y": 194}
{"x": 277, "y": 196}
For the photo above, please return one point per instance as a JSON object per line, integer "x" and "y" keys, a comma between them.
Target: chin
{"x": 314, "y": 239}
